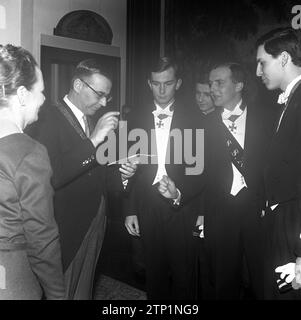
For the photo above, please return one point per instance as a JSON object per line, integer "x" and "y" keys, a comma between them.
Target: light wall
{"x": 28, "y": 19}
{"x": 11, "y": 27}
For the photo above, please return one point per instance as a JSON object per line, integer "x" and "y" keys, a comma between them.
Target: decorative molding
{"x": 79, "y": 45}
{"x": 84, "y": 25}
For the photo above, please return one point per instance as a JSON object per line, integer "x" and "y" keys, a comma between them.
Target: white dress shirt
{"x": 78, "y": 113}
{"x": 238, "y": 133}
{"x": 162, "y": 129}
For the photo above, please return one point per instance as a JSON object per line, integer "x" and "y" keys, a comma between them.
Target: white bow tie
{"x": 226, "y": 116}
{"x": 283, "y": 97}
{"x": 157, "y": 112}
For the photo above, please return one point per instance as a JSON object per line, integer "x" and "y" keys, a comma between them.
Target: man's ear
{"x": 179, "y": 83}
{"x": 239, "y": 86}
{"x": 77, "y": 85}
{"x": 285, "y": 58}
{"x": 149, "y": 84}
{"x": 22, "y": 94}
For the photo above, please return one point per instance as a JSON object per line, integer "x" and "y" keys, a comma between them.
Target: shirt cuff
{"x": 176, "y": 201}
{"x": 125, "y": 183}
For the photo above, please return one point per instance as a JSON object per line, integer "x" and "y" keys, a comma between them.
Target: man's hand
{"x": 105, "y": 124}
{"x": 199, "y": 221}
{"x": 167, "y": 188}
{"x": 287, "y": 270}
{"x": 128, "y": 169}
{"x": 132, "y": 225}
{"x": 293, "y": 272}
{"x": 298, "y": 271}
{"x": 200, "y": 224}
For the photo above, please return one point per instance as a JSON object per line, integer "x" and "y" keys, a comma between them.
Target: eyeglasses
{"x": 100, "y": 94}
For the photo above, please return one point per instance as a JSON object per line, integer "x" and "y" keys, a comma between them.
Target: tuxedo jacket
{"x": 218, "y": 163}
{"x": 78, "y": 180}
{"x": 144, "y": 197}
{"x": 283, "y": 168}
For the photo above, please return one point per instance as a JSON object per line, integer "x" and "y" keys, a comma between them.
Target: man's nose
{"x": 212, "y": 88}
{"x": 258, "y": 70}
{"x": 103, "y": 101}
{"x": 162, "y": 88}
{"x": 200, "y": 97}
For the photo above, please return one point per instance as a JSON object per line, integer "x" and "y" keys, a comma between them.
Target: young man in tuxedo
{"x": 279, "y": 66}
{"x": 161, "y": 196}
{"x": 234, "y": 147}
{"x": 80, "y": 183}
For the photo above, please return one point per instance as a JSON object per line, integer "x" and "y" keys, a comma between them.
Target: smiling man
{"x": 279, "y": 67}
{"x": 233, "y": 150}
{"x": 203, "y": 97}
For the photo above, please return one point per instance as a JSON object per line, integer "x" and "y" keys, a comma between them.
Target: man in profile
{"x": 279, "y": 66}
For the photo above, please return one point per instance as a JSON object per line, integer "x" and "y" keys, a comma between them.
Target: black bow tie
{"x": 162, "y": 116}
{"x": 234, "y": 117}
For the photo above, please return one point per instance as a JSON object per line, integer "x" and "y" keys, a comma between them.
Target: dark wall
{"x": 143, "y": 45}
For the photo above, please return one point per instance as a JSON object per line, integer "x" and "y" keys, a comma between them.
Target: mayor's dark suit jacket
{"x": 77, "y": 179}
{"x": 283, "y": 169}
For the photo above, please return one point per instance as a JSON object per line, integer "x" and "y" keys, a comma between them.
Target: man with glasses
{"x": 80, "y": 183}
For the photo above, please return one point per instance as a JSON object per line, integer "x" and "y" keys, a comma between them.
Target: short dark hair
{"x": 202, "y": 77}
{"x": 282, "y": 39}
{"x": 163, "y": 64}
{"x": 87, "y": 68}
{"x": 238, "y": 73}
{"x": 17, "y": 68}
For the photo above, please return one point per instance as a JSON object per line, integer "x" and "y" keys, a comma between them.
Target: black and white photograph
{"x": 150, "y": 153}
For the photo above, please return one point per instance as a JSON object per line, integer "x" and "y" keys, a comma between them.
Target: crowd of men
{"x": 245, "y": 203}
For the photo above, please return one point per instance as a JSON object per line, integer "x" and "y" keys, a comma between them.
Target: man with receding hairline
{"x": 233, "y": 152}
{"x": 81, "y": 184}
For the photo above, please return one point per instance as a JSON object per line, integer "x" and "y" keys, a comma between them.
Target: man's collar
{"x": 78, "y": 113}
{"x": 283, "y": 97}
{"x": 167, "y": 110}
{"x": 236, "y": 111}
{"x": 205, "y": 112}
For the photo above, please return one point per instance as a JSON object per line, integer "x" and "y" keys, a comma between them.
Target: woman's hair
{"x": 17, "y": 68}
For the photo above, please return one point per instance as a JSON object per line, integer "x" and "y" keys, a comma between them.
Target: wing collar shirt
{"x": 162, "y": 128}
{"x": 238, "y": 132}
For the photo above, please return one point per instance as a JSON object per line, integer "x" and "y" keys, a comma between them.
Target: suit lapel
{"x": 70, "y": 117}
{"x": 249, "y": 130}
{"x": 291, "y": 105}
{"x": 151, "y": 126}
